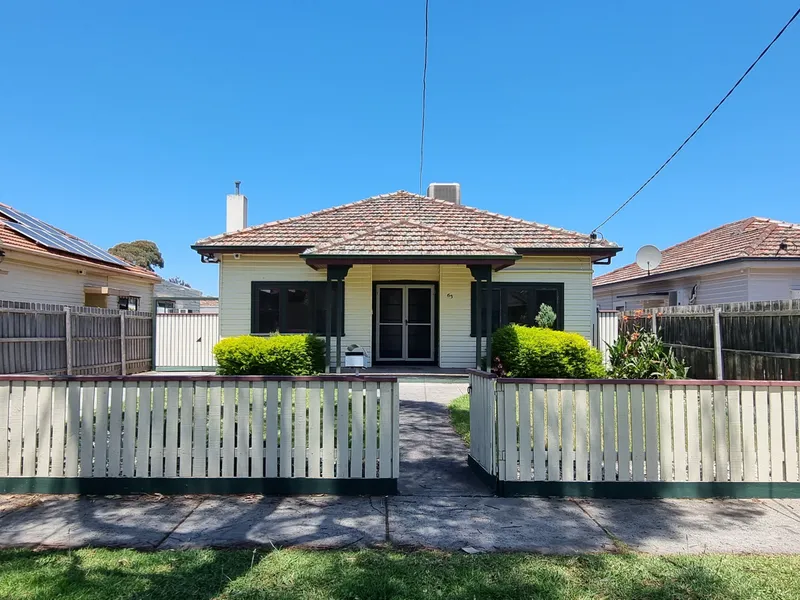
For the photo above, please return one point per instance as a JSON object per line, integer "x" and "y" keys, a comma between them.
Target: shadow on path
{"x": 433, "y": 458}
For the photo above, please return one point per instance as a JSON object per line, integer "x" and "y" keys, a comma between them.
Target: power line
{"x": 699, "y": 127}
{"x": 424, "y": 98}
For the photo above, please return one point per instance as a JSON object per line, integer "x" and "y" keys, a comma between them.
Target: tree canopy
{"x": 179, "y": 281}
{"x": 142, "y": 253}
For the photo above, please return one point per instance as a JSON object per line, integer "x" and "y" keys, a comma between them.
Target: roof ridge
{"x": 313, "y": 213}
{"x": 679, "y": 244}
{"x": 476, "y": 241}
{"x": 736, "y": 240}
{"x": 394, "y": 222}
{"x": 409, "y": 195}
{"x": 769, "y": 229}
{"x": 510, "y": 218}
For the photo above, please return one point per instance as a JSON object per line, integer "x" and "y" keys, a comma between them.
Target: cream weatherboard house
{"x": 401, "y": 274}
{"x": 41, "y": 264}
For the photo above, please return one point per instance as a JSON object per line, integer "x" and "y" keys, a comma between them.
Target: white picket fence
{"x": 184, "y": 341}
{"x": 199, "y": 427}
{"x": 482, "y": 420}
{"x": 619, "y": 431}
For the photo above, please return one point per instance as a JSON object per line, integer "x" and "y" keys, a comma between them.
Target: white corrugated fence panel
{"x": 186, "y": 340}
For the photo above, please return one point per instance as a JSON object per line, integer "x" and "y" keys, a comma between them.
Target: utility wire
{"x": 424, "y": 97}
{"x": 699, "y": 127}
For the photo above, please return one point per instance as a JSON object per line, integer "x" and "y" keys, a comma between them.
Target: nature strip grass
{"x": 298, "y": 574}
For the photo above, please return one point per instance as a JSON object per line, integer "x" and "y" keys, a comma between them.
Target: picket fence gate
{"x": 616, "y": 438}
{"x": 209, "y": 434}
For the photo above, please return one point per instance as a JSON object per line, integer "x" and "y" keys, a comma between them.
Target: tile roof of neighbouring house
{"x": 13, "y": 240}
{"x": 365, "y": 226}
{"x": 755, "y": 237}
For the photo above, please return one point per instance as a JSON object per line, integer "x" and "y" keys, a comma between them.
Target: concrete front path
{"x": 433, "y": 459}
{"x": 441, "y": 505}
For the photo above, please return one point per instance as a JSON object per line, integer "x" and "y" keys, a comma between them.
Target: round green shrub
{"x": 536, "y": 352}
{"x": 273, "y": 355}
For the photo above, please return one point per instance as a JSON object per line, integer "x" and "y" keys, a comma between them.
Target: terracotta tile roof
{"x": 458, "y": 229}
{"x": 755, "y": 237}
{"x": 403, "y": 236}
{"x": 11, "y": 240}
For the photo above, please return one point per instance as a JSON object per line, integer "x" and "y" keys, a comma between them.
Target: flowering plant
{"x": 642, "y": 355}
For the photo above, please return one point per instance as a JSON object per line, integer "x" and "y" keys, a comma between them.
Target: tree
{"x": 179, "y": 281}
{"x": 546, "y": 317}
{"x": 142, "y": 253}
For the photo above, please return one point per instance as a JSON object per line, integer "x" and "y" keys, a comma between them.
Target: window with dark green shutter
{"x": 293, "y": 307}
{"x": 518, "y": 303}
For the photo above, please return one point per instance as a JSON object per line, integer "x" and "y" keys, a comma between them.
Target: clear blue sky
{"x": 130, "y": 120}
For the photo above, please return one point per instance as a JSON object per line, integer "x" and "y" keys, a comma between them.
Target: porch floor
{"x": 415, "y": 374}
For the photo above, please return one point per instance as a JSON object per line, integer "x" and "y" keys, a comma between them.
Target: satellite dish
{"x": 648, "y": 258}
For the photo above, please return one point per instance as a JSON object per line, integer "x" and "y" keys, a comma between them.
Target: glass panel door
{"x": 390, "y": 322}
{"x": 419, "y": 323}
{"x": 405, "y": 322}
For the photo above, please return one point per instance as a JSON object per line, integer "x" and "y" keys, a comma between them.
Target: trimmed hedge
{"x": 273, "y": 355}
{"x": 536, "y": 352}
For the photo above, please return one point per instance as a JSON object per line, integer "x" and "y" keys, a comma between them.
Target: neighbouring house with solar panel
{"x": 411, "y": 280}
{"x": 755, "y": 259}
{"x": 40, "y": 263}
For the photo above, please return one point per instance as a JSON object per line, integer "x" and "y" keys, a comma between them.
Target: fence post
{"x": 718, "y": 365}
{"x": 68, "y": 337}
{"x": 653, "y": 321}
{"x": 122, "y": 353}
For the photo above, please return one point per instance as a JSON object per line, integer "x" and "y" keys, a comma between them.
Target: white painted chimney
{"x": 445, "y": 191}
{"x": 236, "y": 211}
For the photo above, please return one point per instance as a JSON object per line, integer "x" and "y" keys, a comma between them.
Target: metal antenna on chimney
{"x": 237, "y": 184}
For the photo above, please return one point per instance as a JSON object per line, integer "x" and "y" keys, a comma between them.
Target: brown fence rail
{"x": 759, "y": 340}
{"x": 53, "y": 339}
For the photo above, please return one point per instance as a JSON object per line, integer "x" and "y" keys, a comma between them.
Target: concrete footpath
{"x": 441, "y": 505}
{"x": 447, "y": 522}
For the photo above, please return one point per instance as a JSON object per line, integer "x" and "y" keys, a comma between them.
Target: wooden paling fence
{"x": 206, "y": 434}
{"x": 742, "y": 340}
{"x": 55, "y": 339}
{"x": 638, "y": 438}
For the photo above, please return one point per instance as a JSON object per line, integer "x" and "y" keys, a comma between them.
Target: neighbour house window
{"x": 95, "y": 300}
{"x": 165, "y": 306}
{"x": 518, "y": 303}
{"x": 296, "y": 307}
{"x": 128, "y": 303}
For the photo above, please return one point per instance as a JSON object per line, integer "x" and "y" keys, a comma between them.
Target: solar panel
{"x": 50, "y": 237}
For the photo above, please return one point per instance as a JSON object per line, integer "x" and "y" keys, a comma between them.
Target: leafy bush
{"x": 537, "y": 352}
{"x": 642, "y": 355}
{"x": 546, "y": 317}
{"x": 273, "y": 355}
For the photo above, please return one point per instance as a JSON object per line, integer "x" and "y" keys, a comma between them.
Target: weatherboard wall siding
{"x": 54, "y": 282}
{"x": 236, "y": 277}
{"x": 456, "y": 346}
{"x": 576, "y": 275}
{"x": 749, "y": 281}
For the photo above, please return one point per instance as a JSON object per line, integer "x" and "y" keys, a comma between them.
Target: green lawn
{"x": 459, "y": 416}
{"x": 365, "y": 574}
